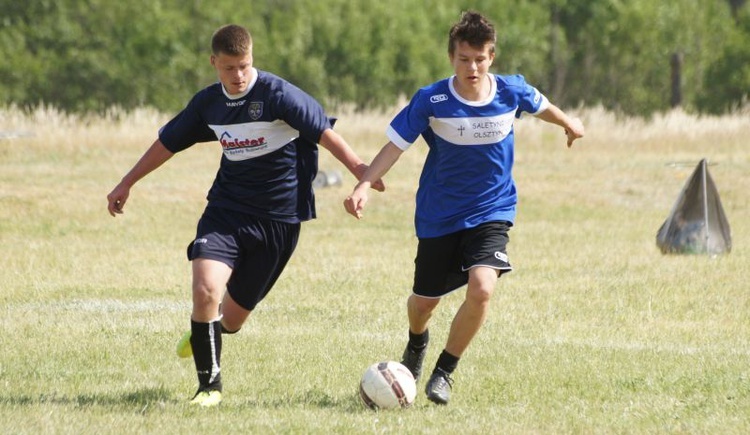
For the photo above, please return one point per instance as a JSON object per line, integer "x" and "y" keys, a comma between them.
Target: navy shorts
{"x": 442, "y": 264}
{"x": 256, "y": 249}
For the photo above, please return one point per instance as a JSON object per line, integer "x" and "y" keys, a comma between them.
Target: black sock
{"x": 206, "y": 343}
{"x": 419, "y": 341}
{"x": 447, "y": 362}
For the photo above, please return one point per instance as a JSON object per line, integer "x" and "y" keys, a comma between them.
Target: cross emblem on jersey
{"x": 461, "y": 130}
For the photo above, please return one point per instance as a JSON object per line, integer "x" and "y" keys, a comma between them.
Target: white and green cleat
{"x": 207, "y": 398}
{"x": 184, "y": 348}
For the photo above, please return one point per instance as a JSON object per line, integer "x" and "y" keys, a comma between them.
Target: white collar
{"x": 484, "y": 102}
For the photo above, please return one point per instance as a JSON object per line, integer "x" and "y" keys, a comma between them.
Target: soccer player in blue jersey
{"x": 268, "y": 130}
{"x": 466, "y": 200}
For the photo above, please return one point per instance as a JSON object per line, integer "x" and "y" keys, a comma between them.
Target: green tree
{"x": 621, "y": 50}
{"x": 726, "y": 84}
{"x": 93, "y": 54}
{"x": 88, "y": 55}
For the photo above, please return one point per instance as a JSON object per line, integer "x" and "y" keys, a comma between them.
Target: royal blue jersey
{"x": 268, "y": 135}
{"x": 466, "y": 179}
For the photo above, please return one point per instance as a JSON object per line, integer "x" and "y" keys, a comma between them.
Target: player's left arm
{"x": 573, "y": 126}
{"x": 341, "y": 150}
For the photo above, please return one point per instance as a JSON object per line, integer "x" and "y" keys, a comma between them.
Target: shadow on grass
{"x": 149, "y": 399}
{"x": 314, "y": 398}
{"x": 143, "y": 399}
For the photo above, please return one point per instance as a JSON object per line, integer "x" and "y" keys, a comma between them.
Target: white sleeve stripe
{"x": 543, "y": 106}
{"x": 396, "y": 138}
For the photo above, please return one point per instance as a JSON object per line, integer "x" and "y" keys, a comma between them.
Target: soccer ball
{"x": 387, "y": 385}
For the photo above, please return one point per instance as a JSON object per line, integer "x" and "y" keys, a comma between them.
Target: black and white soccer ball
{"x": 387, "y": 385}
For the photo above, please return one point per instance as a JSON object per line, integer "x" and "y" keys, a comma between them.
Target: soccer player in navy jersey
{"x": 268, "y": 129}
{"x": 466, "y": 200}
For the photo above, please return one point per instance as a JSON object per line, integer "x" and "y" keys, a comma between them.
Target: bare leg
{"x": 473, "y": 311}
{"x": 209, "y": 280}
{"x": 233, "y": 315}
{"x": 420, "y": 310}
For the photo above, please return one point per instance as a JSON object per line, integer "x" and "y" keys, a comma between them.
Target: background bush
{"x": 89, "y": 55}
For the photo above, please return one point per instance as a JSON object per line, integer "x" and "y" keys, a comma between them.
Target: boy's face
{"x": 235, "y": 72}
{"x": 471, "y": 64}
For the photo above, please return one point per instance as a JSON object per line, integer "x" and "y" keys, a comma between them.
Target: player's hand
{"x": 574, "y": 131}
{"x": 116, "y": 199}
{"x": 355, "y": 203}
{"x": 378, "y": 185}
{"x": 359, "y": 172}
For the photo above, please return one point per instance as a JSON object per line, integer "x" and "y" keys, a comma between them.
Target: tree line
{"x": 630, "y": 56}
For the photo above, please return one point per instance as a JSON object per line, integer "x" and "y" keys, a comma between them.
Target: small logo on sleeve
{"x": 537, "y": 96}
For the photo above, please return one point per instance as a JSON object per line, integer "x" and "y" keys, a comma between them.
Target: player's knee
{"x": 205, "y": 295}
{"x": 423, "y": 305}
{"x": 479, "y": 295}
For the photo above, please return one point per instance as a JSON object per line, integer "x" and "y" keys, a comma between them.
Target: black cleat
{"x": 439, "y": 386}
{"x": 412, "y": 360}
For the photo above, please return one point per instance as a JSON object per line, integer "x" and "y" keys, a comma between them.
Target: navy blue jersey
{"x": 268, "y": 135}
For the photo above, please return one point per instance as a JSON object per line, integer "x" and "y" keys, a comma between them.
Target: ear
{"x": 213, "y": 60}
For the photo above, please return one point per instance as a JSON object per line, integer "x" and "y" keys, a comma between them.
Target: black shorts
{"x": 256, "y": 249}
{"x": 442, "y": 264}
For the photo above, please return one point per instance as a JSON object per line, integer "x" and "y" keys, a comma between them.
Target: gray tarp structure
{"x": 697, "y": 224}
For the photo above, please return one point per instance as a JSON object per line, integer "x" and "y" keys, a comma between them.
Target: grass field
{"x": 595, "y": 331}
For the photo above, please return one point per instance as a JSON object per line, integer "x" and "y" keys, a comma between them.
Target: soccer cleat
{"x": 412, "y": 360}
{"x": 439, "y": 386}
{"x": 207, "y": 398}
{"x": 184, "y": 348}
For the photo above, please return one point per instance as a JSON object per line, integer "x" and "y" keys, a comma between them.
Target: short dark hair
{"x": 473, "y": 29}
{"x": 231, "y": 39}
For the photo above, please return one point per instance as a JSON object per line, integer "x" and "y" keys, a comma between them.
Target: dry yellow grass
{"x": 594, "y": 331}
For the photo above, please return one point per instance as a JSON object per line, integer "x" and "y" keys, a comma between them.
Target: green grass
{"x": 595, "y": 331}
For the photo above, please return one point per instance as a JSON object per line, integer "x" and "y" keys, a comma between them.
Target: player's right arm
{"x": 388, "y": 155}
{"x": 154, "y": 157}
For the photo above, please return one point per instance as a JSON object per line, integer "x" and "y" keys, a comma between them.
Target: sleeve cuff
{"x": 396, "y": 138}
